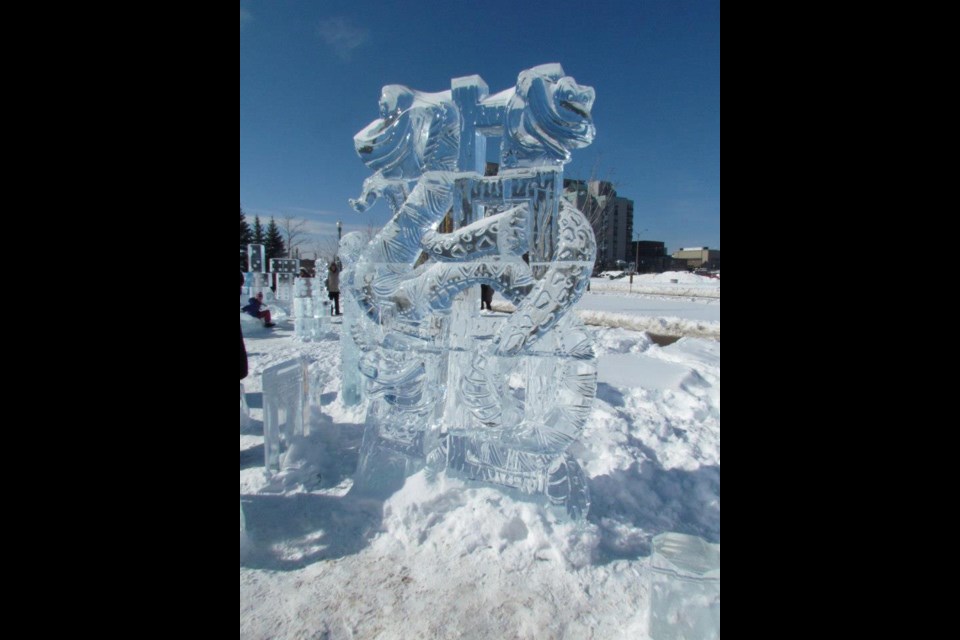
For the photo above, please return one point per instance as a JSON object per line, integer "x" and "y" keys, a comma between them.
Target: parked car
{"x": 707, "y": 274}
{"x": 613, "y": 275}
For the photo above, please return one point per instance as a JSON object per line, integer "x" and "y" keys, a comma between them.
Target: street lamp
{"x": 636, "y": 265}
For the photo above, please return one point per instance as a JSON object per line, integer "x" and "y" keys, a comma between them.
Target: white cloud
{"x": 342, "y": 36}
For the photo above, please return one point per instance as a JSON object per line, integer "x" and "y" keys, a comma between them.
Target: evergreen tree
{"x": 273, "y": 243}
{"x": 246, "y": 234}
{"x": 246, "y": 237}
{"x": 258, "y": 235}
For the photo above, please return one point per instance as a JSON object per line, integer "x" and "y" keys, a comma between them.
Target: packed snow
{"x": 446, "y": 558}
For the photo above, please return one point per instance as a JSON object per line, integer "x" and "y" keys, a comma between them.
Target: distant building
{"x": 611, "y": 218}
{"x": 651, "y": 257}
{"x": 699, "y": 258}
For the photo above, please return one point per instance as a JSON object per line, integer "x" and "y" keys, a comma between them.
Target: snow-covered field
{"x": 448, "y": 559}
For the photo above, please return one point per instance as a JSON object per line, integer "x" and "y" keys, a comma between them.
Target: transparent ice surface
{"x": 286, "y": 398}
{"x": 310, "y": 308}
{"x": 351, "y": 247}
{"x": 284, "y": 287}
{"x": 685, "y": 590}
{"x": 254, "y": 283}
{"x": 285, "y": 266}
{"x": 244, "y": 409}
{"x": 256, "y": 258}
{"x": 492, "y": 399}
{"x": 244, "y": 540}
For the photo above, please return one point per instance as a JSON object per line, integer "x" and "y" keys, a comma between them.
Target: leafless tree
{"x": 326, "y": 248}
{"x": 294, "y": 232}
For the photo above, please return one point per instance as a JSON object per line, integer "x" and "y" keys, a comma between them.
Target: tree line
{"x": 270, "y": 237}
{"x": 285, "y": 238}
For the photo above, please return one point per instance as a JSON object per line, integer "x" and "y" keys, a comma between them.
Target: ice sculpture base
{"x": 559, "y": 479}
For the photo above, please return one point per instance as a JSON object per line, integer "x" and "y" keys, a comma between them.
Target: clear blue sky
{"x": 311, "y": 73}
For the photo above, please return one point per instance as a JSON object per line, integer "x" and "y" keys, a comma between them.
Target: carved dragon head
{"x": 548, "y": 116}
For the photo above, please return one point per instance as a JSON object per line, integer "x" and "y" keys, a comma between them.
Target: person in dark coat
{"x": 243, "y": 349}
{"x": 486, "y": 297}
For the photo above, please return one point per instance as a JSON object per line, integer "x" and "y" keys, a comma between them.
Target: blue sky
{"x": 311, "y": 73}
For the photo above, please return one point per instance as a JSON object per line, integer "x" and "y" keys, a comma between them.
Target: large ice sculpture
{"x": 497, "y": 399}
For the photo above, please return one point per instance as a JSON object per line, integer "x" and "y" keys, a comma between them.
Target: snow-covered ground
{"x": 672, "y": 283}
{"x": 448, "y": 559}
{"x": 667, "y": 304}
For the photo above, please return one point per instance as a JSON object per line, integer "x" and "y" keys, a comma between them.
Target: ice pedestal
{"x": 296, "y": 434}
{"x": 245, "y": 543}
{"x": 244, "y": 409}
{"x": 286, "y": 400}
{"x": 685, "y": 590}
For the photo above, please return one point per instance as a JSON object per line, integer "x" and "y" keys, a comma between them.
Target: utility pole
{"x": 636, "y": 264}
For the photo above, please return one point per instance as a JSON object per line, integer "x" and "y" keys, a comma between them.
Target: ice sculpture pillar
{"x": 286, "y": 398}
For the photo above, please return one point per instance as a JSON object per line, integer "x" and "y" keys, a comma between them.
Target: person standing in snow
{"x": 333, "y": 285}
{"x": 486, "y": 297}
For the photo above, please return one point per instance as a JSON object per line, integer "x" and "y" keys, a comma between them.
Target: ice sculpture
{"x": 283, "y": 271}
{"x": 685, "y": 590}
{"x": 256, "y": 258}
{"x": 245, "y": 544}
{"x": 286, "y": 415}
{"x": 253, "y": 284}
{"x": 498, "y": 399}
{"x": 284, "y": 287}
{"x": 304, "y": 315}
{"x": 351, "y": 246}
{"x": 285, "y": 265}
{"x": 244, "y": 409}
{"x": 311, "y": 308}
